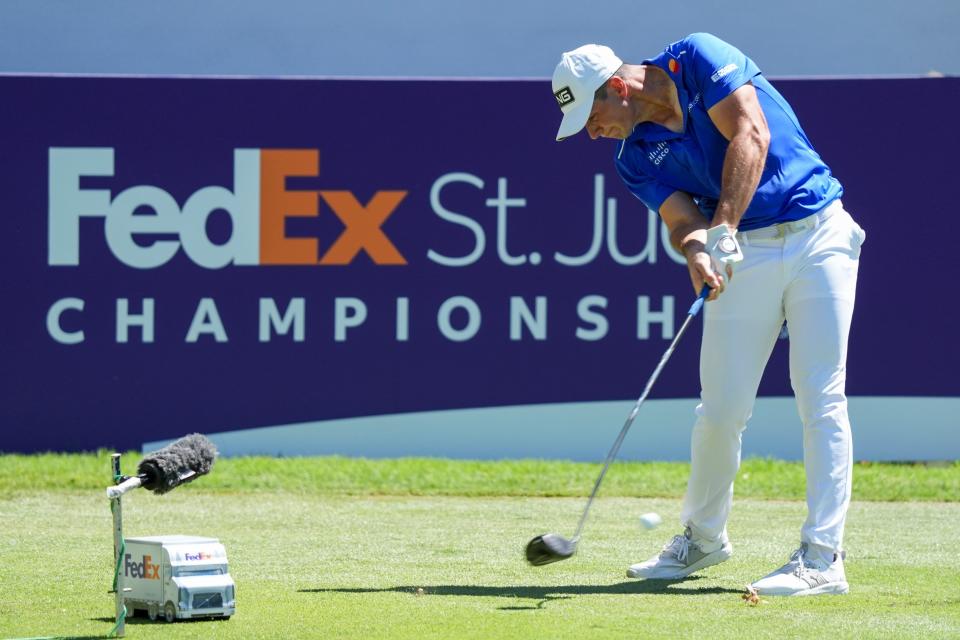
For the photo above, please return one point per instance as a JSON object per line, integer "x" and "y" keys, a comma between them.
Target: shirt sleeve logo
{"x": 673, "y": 65}
{"x": 564, "y": 96}
{"x": 723, "y": 71}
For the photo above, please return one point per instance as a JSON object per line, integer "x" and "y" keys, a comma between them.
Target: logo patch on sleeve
{"x": 723, "y": 71}
{"x": 564, "y": 96}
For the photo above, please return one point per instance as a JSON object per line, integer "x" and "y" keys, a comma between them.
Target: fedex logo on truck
{"x": 145, "y": 569}
{"x": 200, "y": 555}
{"x": 258, "y": 205}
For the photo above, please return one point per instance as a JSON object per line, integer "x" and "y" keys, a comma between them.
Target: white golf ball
{"x": 650, "y": 520}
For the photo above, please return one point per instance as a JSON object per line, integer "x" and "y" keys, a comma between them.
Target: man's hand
{"x": 689, "y": 235}
{"x": 702, "y": 273}
{"x": 724, "y": 250}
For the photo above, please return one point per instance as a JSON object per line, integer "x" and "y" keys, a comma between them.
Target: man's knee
{"x": 821, "y": 397}
{"x": 722, "y": 419}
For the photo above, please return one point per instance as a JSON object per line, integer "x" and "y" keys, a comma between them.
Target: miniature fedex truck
{"x": 176, "y": 577}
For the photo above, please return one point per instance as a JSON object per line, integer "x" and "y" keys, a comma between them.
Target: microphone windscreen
{"x": 177, "y": 463}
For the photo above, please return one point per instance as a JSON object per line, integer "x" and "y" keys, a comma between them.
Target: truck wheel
{"x": 169, "y": 612}
{"x": 153, "y": 611}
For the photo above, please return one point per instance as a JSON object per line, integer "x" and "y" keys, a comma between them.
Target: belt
{"x": 784, "y": 229}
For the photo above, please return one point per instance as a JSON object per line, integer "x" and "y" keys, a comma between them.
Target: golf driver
{"x": 552, "y": 547}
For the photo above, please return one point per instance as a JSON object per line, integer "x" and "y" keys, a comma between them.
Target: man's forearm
{"x": 689, "y": 237}
{"x": 742, "y": 166}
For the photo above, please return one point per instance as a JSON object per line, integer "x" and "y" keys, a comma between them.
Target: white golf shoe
{"x": 682, "y": 556}
{"x": 805, "y": 575}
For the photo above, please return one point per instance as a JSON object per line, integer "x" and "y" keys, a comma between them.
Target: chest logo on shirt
{"x": 673, "y": 65}
{"x": 659, "y": 153}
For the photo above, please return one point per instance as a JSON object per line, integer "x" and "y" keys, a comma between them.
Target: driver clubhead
{"x": 548, "y": 548}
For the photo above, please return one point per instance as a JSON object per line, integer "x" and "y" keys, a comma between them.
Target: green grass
{"x": 337, "y": 548}
{"x": 758, "y": 478}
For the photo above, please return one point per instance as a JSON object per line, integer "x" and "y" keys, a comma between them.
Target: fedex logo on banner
{"x": 258, "y": 205}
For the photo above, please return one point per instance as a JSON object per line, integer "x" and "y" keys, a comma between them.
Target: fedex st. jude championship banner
{"x": 418, "y": 257}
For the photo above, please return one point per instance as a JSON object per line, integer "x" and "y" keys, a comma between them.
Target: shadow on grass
{"x": 103, "y": 637}
{"x": 544, "y": 594}
{"x": 159, "y": 621}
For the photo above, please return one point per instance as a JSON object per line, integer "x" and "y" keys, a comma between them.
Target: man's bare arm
{"x": 688, "y": 233}
{"x": 741, "y": 121}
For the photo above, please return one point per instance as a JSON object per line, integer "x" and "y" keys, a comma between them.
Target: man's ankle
{"x": 707, "y": 543}
{"x": 823, "y": 553}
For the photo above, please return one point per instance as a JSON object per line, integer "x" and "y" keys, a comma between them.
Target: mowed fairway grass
{"x": 341, "y": 548}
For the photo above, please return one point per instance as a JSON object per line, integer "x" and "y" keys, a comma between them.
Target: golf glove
{"x": 723, "y": 248}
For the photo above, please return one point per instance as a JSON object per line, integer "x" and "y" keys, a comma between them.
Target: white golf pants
{"x": 804, "y": 272}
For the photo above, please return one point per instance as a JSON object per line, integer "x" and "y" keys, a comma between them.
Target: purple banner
{"x": 222, "y": 254}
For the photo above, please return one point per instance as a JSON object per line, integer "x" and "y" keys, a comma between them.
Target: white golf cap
{"x": 580, "y": 73}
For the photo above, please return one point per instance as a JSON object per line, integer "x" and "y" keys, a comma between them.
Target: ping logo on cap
{"x": 564, "y": 96}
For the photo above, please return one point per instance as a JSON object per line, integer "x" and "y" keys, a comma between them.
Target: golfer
{"x": 706, "y": 141}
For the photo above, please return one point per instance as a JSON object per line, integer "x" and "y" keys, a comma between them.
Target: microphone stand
{"x": 118, "y": 547}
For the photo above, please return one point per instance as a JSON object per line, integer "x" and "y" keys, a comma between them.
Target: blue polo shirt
{"x": 654, "y": 162}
